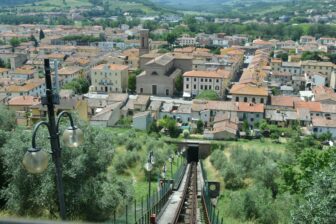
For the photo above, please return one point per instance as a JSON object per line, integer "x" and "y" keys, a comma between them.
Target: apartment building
{"x": 109, "y": 78}
{"x": 197, "y": 81}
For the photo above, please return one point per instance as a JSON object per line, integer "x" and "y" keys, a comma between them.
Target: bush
{"x": 186, "y": 134}
{"x": 232, "y": 178}
{"x": 218, "y": 159}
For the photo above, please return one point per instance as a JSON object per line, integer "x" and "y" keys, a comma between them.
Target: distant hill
{"x": 15, "y": 2}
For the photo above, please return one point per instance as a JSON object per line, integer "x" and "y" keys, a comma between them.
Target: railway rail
{"x": 188, "y": 206}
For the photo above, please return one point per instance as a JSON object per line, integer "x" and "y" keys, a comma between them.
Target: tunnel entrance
{"x": 192, "y": 154}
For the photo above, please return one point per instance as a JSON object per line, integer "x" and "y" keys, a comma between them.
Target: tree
{"x": 96, "y": 197}
{"x": 78, "y": 85}
{"x": 32, "y": 38}
{"x": 41, "y": 34}
{"x": 14, "y": 42}
{"x": 2, "y": 63}
{"x": 7, "y": 119}
{"x": 132, "y": 83}
{"x": 170, "y": 125}
{"x": 319, "y": 201}
{"x": 199, "y": 126}
{"x": 179, "y": 84}
{"x": 171, "y": 37}
{"x": 208, "y": 95}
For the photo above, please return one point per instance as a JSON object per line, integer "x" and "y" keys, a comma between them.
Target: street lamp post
{"x": 149, "y": 167}
{"x": 36, "y": 160}
{"x": 171, "y": 159}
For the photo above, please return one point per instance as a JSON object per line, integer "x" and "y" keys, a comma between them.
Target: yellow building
{"x": 109, "y": 78}
{"x": 76, "y": 105}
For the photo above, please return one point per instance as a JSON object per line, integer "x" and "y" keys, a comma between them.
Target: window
{"x": 187, "y": 79}
{"x": 257, "y": 115}
{"x": 201, "y": 80}
{"x": 167, "y": 92}
{"x": 237, "y": 99}
{"x": 187, "y": 86}
{"x": 245, "y": 99}
{"x": 217, "y": 80}
{"x": 209, "y": 87}
{"x": 205, "y": 80}
{"x": 194, "y": 79}
{"x": 154, "y": 73}
{"x": 141, "y": 90}
{"x": 205, "y": 87}
{"x": 201, "y": 86}
{"x": 194, "y": 86}
{"x": 262, "y": 100}
{"x": 253, "y": 100}
{"x": 252, "y": 119}
{"x": 216, "y": 87}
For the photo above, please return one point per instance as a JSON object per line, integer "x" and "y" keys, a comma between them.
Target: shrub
{"x": 186, "y": 134}
{"x": 232, "y": 178}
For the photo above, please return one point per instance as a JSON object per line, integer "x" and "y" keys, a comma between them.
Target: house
{"x": 284, "y": 101}
{"x": 4, "y": 73}
{"x": 155, "y": 107}
{"x": 135, "y": 103}
{"x": 250, "y": 112}
{"x": 22, "y": 107}
{"x": 142, "y": 120}
{"x": 22, "y": 74}
{"x": 307, "y": 39}
{"x": 225, "y": 127}
{"x": 313, "y": 107}
{"x": 321, "y": 125}
{"x": 32, "y": 87}
{"x": 73, "y": 104}
{"x": 206, "y": 110}
{"x": 108, "y": 116}
{"x": 197, "y": 81}
{"x": 178, "y": 111}
{"x": 67, "y": 74}
{"x": 321, "y": 67}
{"x": 314, "y": 79}
{"x": 249, "y": 93}
{"x": 324, "y": 94}
{"x": 107, "y": 78}
{"x": 283, "y": 117}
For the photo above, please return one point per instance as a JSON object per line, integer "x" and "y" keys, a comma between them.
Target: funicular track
{"x": 187, "y": 209}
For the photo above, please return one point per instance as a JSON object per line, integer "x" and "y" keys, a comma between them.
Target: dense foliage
{"x": 79, "y": 85}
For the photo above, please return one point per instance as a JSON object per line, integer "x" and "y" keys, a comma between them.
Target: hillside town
{"x": 251, "y": 83}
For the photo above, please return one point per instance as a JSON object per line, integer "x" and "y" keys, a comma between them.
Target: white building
{"x": 194, "y": 82}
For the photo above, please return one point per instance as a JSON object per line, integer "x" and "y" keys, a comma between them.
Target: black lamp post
{"x": 164, "y": 171}
{"x": 149, "y": 167}
{"x": 36, "y": 160}
{"x": 171, "y": 160}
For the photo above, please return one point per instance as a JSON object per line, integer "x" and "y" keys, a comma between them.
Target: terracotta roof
{"x": 323, "y": 122}
{"x": 200, "y": 105}
{"x": 3, "y": 70}
{"x": 69, "y": 70}
{"x": 23, "y": 101}
{"x": 247, "y": 89}
{"x": 250, "y": 107}
{"x": 114, "y": 67}
{"x": 284, "y": 101}
{"x": 220, "y": 74}
{"x": 312, "y": 106}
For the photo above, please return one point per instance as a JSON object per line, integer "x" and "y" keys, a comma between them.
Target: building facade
{"x": 108, "y": 78}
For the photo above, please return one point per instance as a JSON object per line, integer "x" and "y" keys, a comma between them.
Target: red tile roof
{"x": 312, "y": 106}
{"x": 250, "y": 107}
